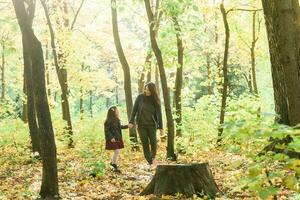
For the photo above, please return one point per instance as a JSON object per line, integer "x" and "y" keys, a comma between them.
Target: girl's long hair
{"x": 154, "y": 94}
{"x": 111, "y": 118}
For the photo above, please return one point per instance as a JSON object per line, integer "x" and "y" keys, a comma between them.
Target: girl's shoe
{"x": 115, "y": 167}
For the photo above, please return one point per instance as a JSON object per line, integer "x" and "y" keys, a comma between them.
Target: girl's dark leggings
{"x": 148, "y": 139}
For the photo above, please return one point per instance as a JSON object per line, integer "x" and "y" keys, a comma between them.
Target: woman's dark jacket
{"x": 136, "y": 111}
{"x": 113, "y": 130}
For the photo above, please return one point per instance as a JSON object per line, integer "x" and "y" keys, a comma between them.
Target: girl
{"x": 146, "y": 113}
{"x": 113, "y": 135}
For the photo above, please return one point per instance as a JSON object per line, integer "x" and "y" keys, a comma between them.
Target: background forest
{"x": 228, "y": 122}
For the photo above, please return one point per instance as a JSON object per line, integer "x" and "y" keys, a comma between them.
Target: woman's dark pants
{"x": 148, "y": 139}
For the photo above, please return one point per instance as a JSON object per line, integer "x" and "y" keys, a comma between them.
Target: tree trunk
{"x": 178, "y": 80}
{"x": 49, "y": 187}
{"x": 149, "y": 74}
{"x": 208, "y": 67}
{"x": 47, "y": 71}
{"x": 81, "y": 110}
{"x": 125, "y": 66}
{"x": 91, "y": 103}
{"x": 148, "y": 66}
{"x": 141, "y": 82}
{"x": 225, "y": 76}
{"x": 29, "y": 111}
{"x": 218, "y": 58}
{"x": 30, "y": 105}
{"x": 117, "y": 94}
{"x": 2, "y": 73}
{"x": 142, "y": 76}
{"x": 66, "y": 13}
{"x": 254, "y": 40}
{"x": 62, "y": 79}
{"x": 25, "y": 108}
{"x": 157, "y": 80}
{"x": 248, "y": 80}
{"x": 62, "y": 57}
{"x": 170, "y": 123}
{"x": 208, "y": 60}
{"x": 250, "y": 75}
{"x": 282, "y": 23}
{"x": 107, "y": 102}
{"x": 186, "y": 179}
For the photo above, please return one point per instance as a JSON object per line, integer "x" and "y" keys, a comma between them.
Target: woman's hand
{"x": 113, "y": 140}
{"x": 130, "y": 125}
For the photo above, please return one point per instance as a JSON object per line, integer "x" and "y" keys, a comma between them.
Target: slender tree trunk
{"x": 62, "y": 57}
{"x": 141, "y": 82}
{"x": 208, "y": 67}
{"x": 225, "y": 76}
{"x": 148, "y": 66}
{"x": 117, "y": 94}
{"x": 107, "y": 102}
{"x": 164, "y": 85}
{"x": 2, "y": 73}
{"x": 142, "y": 76}
{"x": 178, "y": 80}
{"x": 218, "y": 58}
{"x": 25, "y": 108}
{"x": 91, "y": 103}
{"x": 282, "y": 23}
{"x": 157, "y": 17}
{"x": 62, "y": 79}
{"x": 149, "y": 74}
{"x": 250, "y": 79}
{"x": 157, "y": 80}
{"x": 66, "y": 13}
{"x": 208, "y": 59}
{"x": 81, "y": 109}
{"x": 47, "y": 71}
{"x": 254, "y": 40}
{"x": 125, "y": 66}
{"x": 49, "y": 187}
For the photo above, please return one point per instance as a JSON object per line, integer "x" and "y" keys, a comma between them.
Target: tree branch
{"x": 242, "y": 9}
{"x": 76, "y": 15}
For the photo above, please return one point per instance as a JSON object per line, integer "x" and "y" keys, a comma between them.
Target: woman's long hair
{"x": 154, "y": 94}
{"x": 111, "y": 118}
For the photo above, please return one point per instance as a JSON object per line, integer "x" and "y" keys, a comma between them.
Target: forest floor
{"x": 20, "y": 174}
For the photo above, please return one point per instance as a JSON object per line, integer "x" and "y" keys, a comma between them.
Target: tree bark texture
{"x": 49, "y": 187}
{"x": 125, "y": 66}
{"x": 170, "y": 123}
{"x": 282, "y": 23}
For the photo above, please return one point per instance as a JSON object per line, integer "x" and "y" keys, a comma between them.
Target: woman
{"x": 146, "y": 113}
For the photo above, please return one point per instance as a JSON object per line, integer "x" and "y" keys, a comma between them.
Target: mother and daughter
{"x": 146, "y": 115}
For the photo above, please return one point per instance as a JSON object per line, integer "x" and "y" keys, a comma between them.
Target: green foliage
{"x": 96, "y": 169}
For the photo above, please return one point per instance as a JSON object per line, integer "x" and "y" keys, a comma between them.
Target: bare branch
{"x": 76, "y": 15}
{"x": 241, "y": 38}
{"x": 259, "y": 26}
{"x": 242, "y": 9}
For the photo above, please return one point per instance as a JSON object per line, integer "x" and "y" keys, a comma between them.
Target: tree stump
{"x": 187, "y": 179}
